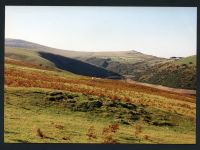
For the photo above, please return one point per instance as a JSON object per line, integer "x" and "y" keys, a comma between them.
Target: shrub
{"x": 91, "y": 133}
{"x": 108, "y": 133}
{"x": 138, "y": 127}
{"x": 59, "y": 126}
{"x": 146, "y": 137}
{"x": 41, "y": 134}
{"x": 67, "y": 138}
{"x": 138, "y": 130}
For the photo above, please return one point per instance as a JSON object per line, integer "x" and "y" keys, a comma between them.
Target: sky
{"x": 158, "y": 31}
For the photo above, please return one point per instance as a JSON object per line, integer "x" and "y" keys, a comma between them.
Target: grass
{"x": 177, "y": 74}
{"x": 21, "y": 103}
{"x": 27, "y": 55}
{"x": 67, "y": 108}
{"x": 191, "y": 60}
{"x": 17, "y": 76}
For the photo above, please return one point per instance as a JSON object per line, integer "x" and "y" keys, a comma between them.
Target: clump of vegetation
{"x": 61, "y": 127}
{"x": 146, "y": 137}
{"x": 67, "y": 138}
{"x": 91, "y": 133}
{"x": 138, "y": 128}
{"x": 108, "y": 134}
{"x": 41, "y": 134}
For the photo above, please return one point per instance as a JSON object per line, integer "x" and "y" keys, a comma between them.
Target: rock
{"x": 162, "y": 123}
{"x": 55, "y": 93}
{"x": 95, "y": 104}
{"x": 122, "y": 121}
{"x": 110, "y": 104}
{"x": 55, "y": 98}
{"x": 128, "y": 105}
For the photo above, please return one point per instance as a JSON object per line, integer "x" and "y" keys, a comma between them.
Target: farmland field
{"x": 45, "y": 105}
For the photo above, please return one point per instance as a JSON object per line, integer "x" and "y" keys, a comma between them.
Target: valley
{"x": 69, "y": 108}
{"x": 56, "y": 96}
{"x": 171, "y": 72}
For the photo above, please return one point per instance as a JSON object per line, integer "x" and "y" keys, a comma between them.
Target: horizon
{"x": 165, "y": 37}
{"x": 97, "y": 51}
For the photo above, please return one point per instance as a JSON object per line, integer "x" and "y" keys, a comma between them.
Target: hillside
{"x": 116, "y": 65}
{"x": 123, "y": 57}
{"x": 58, "y": 62}
{"x": 177, "y": 74}
{"x": 69, "y": 108}
{"x": 27, "y": 55}
{"x": 122, "y": 62}
{"x": 190, "y": 60}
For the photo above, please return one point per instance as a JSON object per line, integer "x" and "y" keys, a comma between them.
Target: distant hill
{"x": 190, "y": 60}
{"x": 178, "y": 73}
{"x": 27, "y": 55}
{"x": 119, "y": 64}
{"x": 53, "y": 58}
{"x": 118, "y": 56}
{"x": 79, "y": 67}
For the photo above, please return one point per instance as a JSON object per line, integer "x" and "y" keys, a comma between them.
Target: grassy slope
{"x": 177, "y": 74}
{"x": 27, "y": 55}
{"x": 119, "y": 56}
{"x": 21, "y": 103}
{"x": 20, "y": 127}
{"x": 96, "y": 58}
{"x": 191, "y": 60}
{"x": 117, "y": 61}
{"x": 141, "y": 67}
{"x": 52, "y": 61}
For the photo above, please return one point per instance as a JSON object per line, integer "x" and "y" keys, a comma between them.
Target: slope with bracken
{"x": 64, "y": 106}
{"x": 178, "y": 73}
{"x": 119, "y": 65}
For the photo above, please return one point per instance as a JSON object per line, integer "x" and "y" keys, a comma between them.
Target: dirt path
{"x": 164, "y": 88}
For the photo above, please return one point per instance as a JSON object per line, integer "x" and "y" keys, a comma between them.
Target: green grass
{"x": 191, "y": 60}
{"x": 177, "y": 74}
{"x": 27, "y": 55}
{"x": 27, "y": 110}
{"x": 58, "y": 72}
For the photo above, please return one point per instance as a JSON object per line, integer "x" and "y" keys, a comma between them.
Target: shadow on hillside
{"x": 79, "y": 67}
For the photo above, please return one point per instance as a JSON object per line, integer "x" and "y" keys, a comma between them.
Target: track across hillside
{"x": 164, "y": 88}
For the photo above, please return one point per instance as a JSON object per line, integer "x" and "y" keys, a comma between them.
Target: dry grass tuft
{"x": 41, "y": 134}
{"x": 61, "y": 127}
{"x": 91, "y": 133}
{"x": 108, "y": 134}
{"x": 67, "y": 138}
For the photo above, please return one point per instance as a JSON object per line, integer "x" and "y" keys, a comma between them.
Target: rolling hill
{"x": 54, "y": 61}
{"x": 117, "y": 65}
{"x": 69, "y": 108}
{"x": 178, "y": 74}
{"x": 118, "y": 56}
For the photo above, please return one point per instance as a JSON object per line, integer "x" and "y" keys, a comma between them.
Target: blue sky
{"x": 159, "y": 31}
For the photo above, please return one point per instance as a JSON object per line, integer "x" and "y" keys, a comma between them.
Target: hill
{"x": 178, "y": 74}
{"x": 70, "y": 108}
{"x": 116, "y": 56}
{"x": 117, "y": 65}
{"x": 190, "y": 60}
{"x": 121, "y": 62}
{"x": 53, "y": 61}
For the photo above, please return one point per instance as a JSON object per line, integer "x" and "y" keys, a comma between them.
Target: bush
{"x": 91, "y": 133}
{"x": 108, "y": 134}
